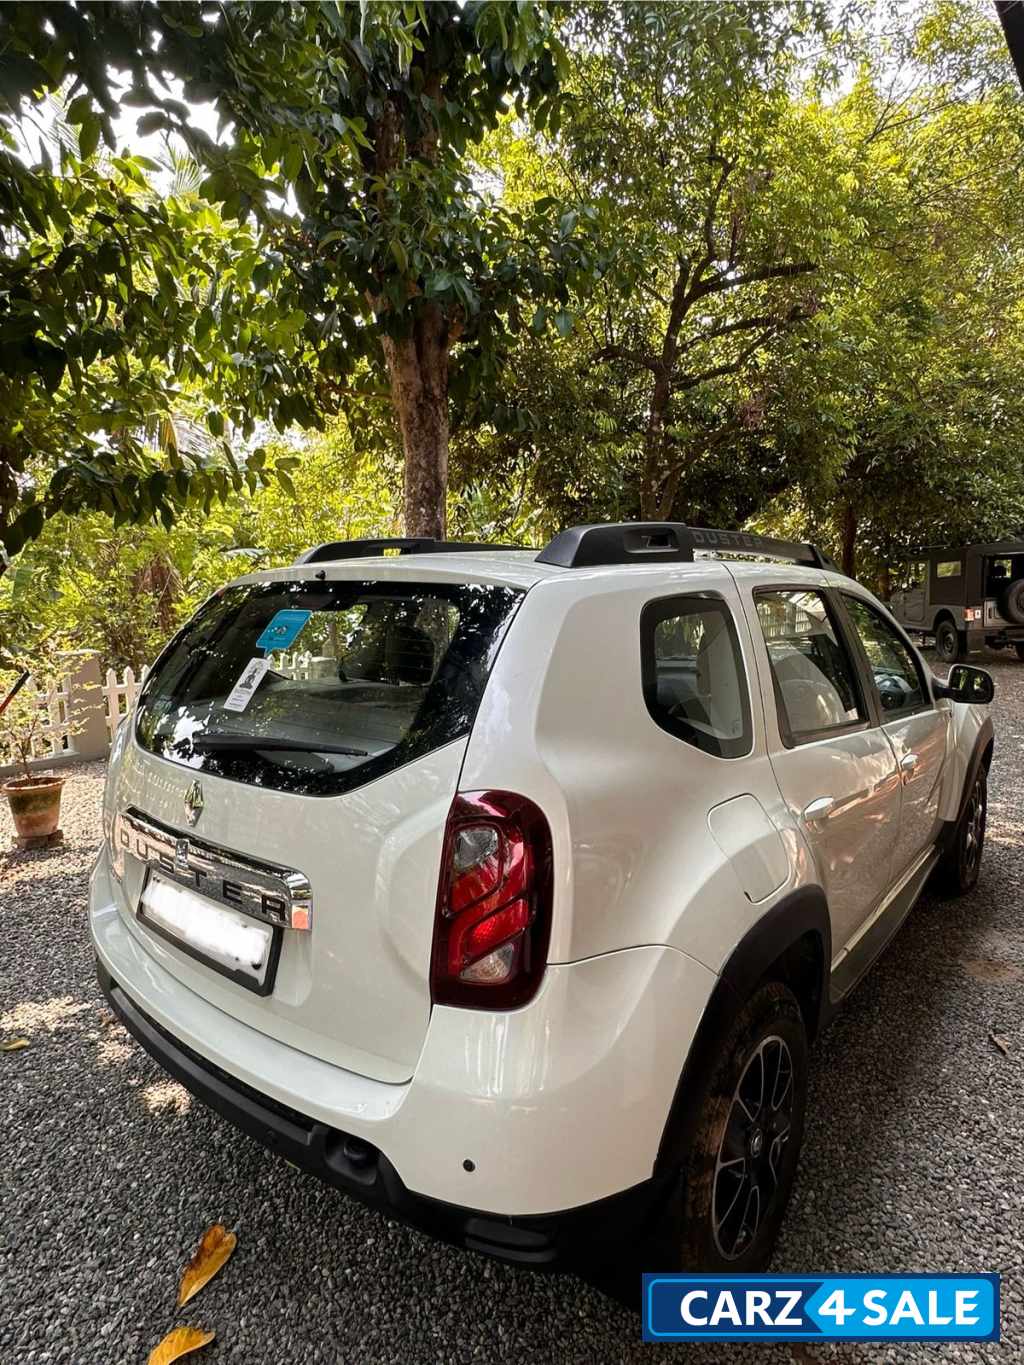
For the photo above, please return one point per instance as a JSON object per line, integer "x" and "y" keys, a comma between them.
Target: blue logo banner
{"x": 821, "y": 1307}
{"x": 283, "y": 628}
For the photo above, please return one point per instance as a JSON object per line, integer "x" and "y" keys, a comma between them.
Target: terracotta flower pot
{"x": 35, "y": 803}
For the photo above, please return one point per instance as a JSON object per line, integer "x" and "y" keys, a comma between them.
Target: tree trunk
{"x": 851, "y": 524}
{"x": 417, "y": 362}
{"x": 654, "y": 450}
{"x": 418, "y": 366}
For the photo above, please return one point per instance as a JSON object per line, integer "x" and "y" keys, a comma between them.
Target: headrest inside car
{"x": 408, "y": 654}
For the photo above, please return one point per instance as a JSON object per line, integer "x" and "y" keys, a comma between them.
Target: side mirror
{"x": 968, "y": 684}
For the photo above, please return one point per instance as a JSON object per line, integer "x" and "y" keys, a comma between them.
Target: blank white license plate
{"x": 234, "y": 943}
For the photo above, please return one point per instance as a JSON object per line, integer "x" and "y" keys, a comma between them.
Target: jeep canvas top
{"x": 506, "y": 890}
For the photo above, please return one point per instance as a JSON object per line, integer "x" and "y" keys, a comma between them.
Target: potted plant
{"x": 34, "y": 797}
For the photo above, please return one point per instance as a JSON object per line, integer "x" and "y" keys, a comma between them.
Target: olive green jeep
{"x": 969, "y": 598}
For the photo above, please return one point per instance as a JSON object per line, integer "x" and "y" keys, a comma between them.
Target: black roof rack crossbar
{"x": 405, "y": 545}
{"x": 666, "y": 542}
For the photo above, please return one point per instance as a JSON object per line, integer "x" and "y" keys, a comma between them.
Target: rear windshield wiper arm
{"x": 222, "y": 743}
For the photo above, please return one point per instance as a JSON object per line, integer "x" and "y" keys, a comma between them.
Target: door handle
{"x": 819, "y": 808}
{"x": 908, "y": 764}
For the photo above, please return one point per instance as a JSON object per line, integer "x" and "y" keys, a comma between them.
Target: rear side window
{"x": 693, "y": 678}
{"x": 812, "y": 673}
{"x": 948, "y": 568}
{"x": 320, "y": 687}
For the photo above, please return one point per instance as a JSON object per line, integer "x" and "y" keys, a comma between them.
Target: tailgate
{"x": 279, "y": 810}
{"x": 354, "y": 988}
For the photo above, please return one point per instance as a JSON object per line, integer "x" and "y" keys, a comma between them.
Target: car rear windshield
{"x": 321, "y": 687}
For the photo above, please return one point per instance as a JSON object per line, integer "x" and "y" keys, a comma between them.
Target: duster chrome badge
{"x": 277, "y": 895}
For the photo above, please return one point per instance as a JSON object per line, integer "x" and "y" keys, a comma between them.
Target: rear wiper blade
{"x": 222, "y": 743}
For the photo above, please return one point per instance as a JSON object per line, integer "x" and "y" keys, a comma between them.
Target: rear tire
{"x": 957, "y": 871}
{"x": 736, "y": 1170}
{"x": 948, "y": 645}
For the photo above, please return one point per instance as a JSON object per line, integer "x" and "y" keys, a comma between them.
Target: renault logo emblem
{"x": 193, "y": 803}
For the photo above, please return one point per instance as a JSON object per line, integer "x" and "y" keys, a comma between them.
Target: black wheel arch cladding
{"x": 981, "y": 757}
{"x": 791, "y": 943}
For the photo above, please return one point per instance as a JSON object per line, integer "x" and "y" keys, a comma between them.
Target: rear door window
{"x": 813, "y": 675}
{"x": 319, "y": 687}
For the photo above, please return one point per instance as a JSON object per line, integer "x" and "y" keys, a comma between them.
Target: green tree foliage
{"x": 723, "y": 209}
{"x": 406, "y": 273}
{"x": 124, "y": 590}
{"x": 719, "y": 263}
{"x": 890, "y": 411}
{"x": 922, "y": 349}
{"x": 135, "y": 330}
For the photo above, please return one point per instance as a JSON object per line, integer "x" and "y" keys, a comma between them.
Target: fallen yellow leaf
{"x": 215, "y": 1248}
{"x": 179, "y": 1343}
{"x": 14, "y": 1045}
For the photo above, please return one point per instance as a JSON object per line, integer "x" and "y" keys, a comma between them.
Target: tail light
{"x": 493, "y": 902}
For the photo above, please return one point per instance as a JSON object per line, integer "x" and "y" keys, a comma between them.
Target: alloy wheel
{"x": 974, "y": 831}
{"x": 749, "y": 1161}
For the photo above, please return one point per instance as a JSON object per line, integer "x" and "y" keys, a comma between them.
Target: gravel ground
{"x": 110, "y": 1173}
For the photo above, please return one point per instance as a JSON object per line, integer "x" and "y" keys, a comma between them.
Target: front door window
{"x": 898, "y": 677}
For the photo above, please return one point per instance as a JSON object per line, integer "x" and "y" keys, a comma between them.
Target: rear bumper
{"x": 978, "y": 636}
{"x": 533, "y": 1116}
{"x": 353, "y": 1165}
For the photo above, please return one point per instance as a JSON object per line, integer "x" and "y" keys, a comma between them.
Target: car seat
{"x": 811, "y": 699}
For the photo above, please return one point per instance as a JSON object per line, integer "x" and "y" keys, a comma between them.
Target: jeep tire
{"x": 948, "y": 645}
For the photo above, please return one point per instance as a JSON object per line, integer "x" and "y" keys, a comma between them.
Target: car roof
{"x": 521, "y": 569}
{"x": 516, "y": 568}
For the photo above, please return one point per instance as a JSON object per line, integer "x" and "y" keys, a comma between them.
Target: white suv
{"x": 505, "y": 891}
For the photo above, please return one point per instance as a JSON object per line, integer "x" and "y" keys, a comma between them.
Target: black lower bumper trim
{"x": 592, "y": 1233}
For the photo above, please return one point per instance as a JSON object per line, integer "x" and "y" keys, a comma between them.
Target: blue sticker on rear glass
{"x": 283, "y": 629}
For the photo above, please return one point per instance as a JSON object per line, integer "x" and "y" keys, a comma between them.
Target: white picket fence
{"x": 305, "y": 665}
{"x": 80, "y": 715}
{"x": 119, "y": 697}
{"x": 52, "y": 735}
{"x": 104, "y": 703}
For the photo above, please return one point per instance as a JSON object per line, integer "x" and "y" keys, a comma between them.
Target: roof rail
{"x": 405, "y": 545}
{"x": 666, "y": 542}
